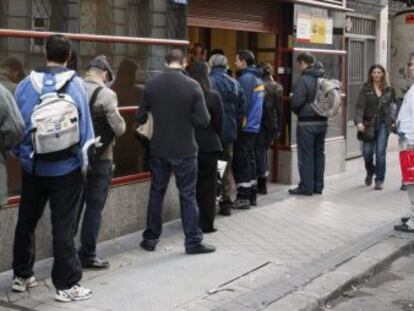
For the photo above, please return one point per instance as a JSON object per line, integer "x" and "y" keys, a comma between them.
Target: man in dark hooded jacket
{"x": 244, "y": 162}
{"x": 311, "y": 128}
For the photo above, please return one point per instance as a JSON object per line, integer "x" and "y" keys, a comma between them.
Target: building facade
{"x": 276, "y": 30}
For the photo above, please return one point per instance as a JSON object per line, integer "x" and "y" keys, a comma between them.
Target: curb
{"x": 314, "y": 295}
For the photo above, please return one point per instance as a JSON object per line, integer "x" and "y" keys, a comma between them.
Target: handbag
{"x": 146, "y": 130}
{"x": 407, "y": 166}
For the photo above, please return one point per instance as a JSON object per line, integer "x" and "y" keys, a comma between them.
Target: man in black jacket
{"x": 177, "y": 104}
{"x": 311, "y": 128}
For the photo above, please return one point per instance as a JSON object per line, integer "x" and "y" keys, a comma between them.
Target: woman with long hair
{"x": 209, "y": 147}
{"x": 374, "y": 122}
{"x": 271, "y": 125}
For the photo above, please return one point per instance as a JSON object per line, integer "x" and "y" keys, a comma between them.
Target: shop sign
{"x": 409, "y": 18}
{"x": 317, "y": 30}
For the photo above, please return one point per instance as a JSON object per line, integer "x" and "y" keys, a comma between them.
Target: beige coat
{"x": 106, "y": 103}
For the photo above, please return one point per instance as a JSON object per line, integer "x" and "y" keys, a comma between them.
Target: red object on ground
{"x": 407, "y": 165}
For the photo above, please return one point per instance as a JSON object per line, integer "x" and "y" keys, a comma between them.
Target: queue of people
{"x": 218, "y": 117}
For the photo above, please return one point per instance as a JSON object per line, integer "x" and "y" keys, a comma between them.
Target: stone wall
{"x": 125, "y": 212}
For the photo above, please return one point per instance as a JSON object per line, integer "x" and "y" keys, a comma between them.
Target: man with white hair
{"x": 405, "y": 124}
{"x": 234, "y": 104}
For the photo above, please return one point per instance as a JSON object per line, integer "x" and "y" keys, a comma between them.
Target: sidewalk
{"x": 286, "y": 240}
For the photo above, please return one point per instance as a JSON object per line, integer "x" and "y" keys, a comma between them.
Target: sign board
{"x": 317, "y": 30}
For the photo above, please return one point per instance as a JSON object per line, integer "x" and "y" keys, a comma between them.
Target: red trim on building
{"x": 92, "y": 37}
{"x": 118, "y": 181}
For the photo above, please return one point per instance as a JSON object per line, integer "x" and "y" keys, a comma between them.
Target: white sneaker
{"x": 75, "y": 293}
{"x": 21, "y": 285}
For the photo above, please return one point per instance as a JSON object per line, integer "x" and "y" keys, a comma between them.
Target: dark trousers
{"x": 261, "y": 148}
{"x": 379, "y": 147}
{"x": 206, "y": 188}
{"x": 244, "y": 164}
{"x": 185, "y": 171}
{"x": 64, "y": 194}
{"x": 97, "y": 187}
{"x": 311, "y": 156}
{"x": 227, "y": 179}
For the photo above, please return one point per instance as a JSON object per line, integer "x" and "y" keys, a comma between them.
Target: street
{"x": 391, "y": 290}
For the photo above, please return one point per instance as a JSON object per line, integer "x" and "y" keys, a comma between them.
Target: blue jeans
{"x": 185, "y": 171}
{"x": 97, "y": 187}
{"x": 311, "y": 157}
{"x": 379, "y": 147}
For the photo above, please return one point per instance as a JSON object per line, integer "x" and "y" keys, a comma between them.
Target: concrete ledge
{"x": 124, "y": 213}
{"x": 288, "y": 161}
{"x": 330, "y": 285}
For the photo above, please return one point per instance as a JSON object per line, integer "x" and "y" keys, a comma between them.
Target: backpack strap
{"x": 94, "y": 97}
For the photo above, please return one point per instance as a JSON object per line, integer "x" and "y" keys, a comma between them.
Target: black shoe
{"x": 403, "y": 228}
{"x": 201, "y": 249}
{"x": 299, "y": 191}
{"x": 368, "y": 180}
{"x": 149, "y": 247}
{"x": 225, "y": 208}
{"x": 262, "y": 185}
{"x": 241, "y": 204}
{"x": 317, "y": 192}
{"x": 209, "y": 230}
{"x": 95, "y": 264}
{"x": 405, "y": 219}
{"x": 403, "y": 187}
{"x": 379, "y": 185}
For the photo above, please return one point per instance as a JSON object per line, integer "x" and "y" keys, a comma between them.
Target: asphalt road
{"x": 390, "y": 290}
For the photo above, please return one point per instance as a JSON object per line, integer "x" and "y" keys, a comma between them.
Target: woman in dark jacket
{"x": 209, "y": 147}
{"x": 271, "y": 125}
{"x": 374, "y": 123}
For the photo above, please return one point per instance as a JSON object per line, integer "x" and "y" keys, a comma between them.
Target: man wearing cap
{"x": 103, "y": 104}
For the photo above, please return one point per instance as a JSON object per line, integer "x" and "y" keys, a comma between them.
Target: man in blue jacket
{"x": 311, "y": 128}
{"x": 244, "y": 164}
{"x": 59, "y": 181}
{"x": 234, "y": 104}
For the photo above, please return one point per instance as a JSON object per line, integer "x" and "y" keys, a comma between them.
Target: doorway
{"x": 263, "y": 45}
{"x": 361, "y": 56}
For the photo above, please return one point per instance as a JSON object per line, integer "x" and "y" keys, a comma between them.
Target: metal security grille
{"x": 356, "y": 74}
{"x": 361, "y": 26}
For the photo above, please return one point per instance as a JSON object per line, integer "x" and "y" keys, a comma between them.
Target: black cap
{"x": 100, "y": 62}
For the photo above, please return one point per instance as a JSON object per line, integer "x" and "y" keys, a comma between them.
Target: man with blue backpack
{"x": 244, "y": 164}
{"x": 54, "y": 156}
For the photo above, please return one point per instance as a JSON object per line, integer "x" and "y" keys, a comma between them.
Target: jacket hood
{"x": 317, "y": 70}
{"x": 252, "y": 69}
{"x": 52, "y": 78}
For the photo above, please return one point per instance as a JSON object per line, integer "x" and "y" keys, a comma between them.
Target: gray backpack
{"x": 55, "y": 126}
{"x": 328, "y": 97}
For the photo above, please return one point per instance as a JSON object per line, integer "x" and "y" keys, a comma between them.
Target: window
{"x": 133, "y": 64}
